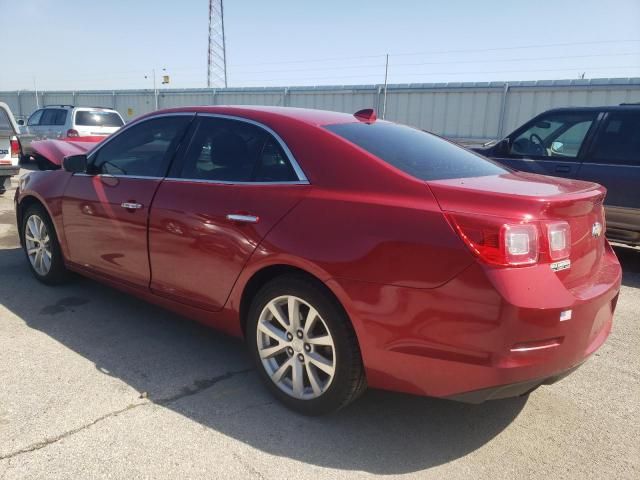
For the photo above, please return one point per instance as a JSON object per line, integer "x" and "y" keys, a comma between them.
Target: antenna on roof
{"x": 368, "y": 115}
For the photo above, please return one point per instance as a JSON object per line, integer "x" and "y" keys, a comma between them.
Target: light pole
{"x": 155, "y": 89}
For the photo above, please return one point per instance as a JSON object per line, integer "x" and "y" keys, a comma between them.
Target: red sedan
{"x": 348, "y": 251}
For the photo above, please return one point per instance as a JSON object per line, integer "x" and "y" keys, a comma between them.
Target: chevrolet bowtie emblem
{"x": 596, "y": 229}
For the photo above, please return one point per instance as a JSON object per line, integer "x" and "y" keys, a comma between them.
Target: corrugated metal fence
{"x": 455, "y": 110}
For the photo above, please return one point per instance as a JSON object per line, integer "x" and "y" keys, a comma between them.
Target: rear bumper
{"x": 9, "y": 170}
{"x": 485, "y": 334}
{"x": 511, "y": 390}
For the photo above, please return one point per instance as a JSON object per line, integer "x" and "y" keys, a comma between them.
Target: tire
{"x": 326, "y": 358}
{"x": 33, "y": 236}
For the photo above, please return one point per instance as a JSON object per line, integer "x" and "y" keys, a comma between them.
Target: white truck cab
{"x": 9, "y": 147}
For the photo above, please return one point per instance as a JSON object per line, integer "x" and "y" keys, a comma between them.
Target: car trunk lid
{"x": 524, "y": 197}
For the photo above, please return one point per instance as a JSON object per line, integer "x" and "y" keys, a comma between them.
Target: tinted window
{"x": 60, "y": 117}
{"x": 142, "y": 150}
{"x": 556, "y": 135}
{"x": 98, "y": 119}
{"x": 49, "y": 116}
{"x": 415, "y": 152}
{"x": 34, "y": 119}
{"x": 619, "y": 141}
{"x": 235, "y": 151}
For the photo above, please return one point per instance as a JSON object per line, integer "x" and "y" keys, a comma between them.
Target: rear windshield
{"x": 420, "y": 154}
{"x": 98, "y": 119}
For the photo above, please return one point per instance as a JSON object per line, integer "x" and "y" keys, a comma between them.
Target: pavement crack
{"x": 201, "y": 385}
{"x": 198, "y": 386}
{"x": 250, "y": 468}
{"x": 50, "y": 441}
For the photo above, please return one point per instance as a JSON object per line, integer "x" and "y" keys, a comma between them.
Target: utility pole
{"x": 217, "y": 47}
{"x": 35, "y": 88}
{"x": 386, "y": 77}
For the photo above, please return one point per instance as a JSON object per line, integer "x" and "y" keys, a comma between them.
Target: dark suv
{"x": 599, "y": 144}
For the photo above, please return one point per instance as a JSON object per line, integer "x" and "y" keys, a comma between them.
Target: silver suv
{"x": 67, "y": 121}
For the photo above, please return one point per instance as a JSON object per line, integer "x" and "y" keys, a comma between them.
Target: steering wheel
{"x": 538, "y": 144}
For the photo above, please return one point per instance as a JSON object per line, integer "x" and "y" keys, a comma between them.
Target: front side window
{"x": 35, "y": 117}
{"x": 557, "y": 135}
{"x": 143, "y": 150}
{"x": 619, "y": 141}
{"x": 235, "y": 151}
{"x": 420, "y": 154}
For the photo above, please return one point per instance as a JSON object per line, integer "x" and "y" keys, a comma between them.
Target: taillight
{"x": 520, "y": 243}
{"x": 497, "y": 241}
{"x": 559, "y": 238}
{"x": 15, "y": 148}
{"x": 72, "y": 133}
{"x": 507, "y": 242}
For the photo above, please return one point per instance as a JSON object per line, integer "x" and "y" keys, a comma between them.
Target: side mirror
{"x": 503, "y": 147}
{"x": 75, "y": 163}
{"x": 20, "y": 122}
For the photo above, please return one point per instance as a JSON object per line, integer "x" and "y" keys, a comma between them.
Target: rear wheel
{"x": 304, "y": 346}
{"x": 41, "y": 246}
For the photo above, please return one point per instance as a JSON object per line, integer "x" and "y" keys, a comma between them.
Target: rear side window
{"x": 98, "y": 119}
{"x": 52, "y": 116}
{"x": 420, "y": 154}
{"x": 233, "y": 151}
{"x": 619, "y": 141}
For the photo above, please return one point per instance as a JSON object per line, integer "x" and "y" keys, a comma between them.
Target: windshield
{"x": 420, "y": 154}
{"x": 98, "y": 119}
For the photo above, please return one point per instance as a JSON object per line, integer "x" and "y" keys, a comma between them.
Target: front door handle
{"x": 131, "y": 205}
{"x": 238, "y": 217}
{"x": 562, "y": 169}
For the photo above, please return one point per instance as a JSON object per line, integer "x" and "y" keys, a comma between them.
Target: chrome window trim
{"x": 231, "y": 182}
{"x": 109, "y": 175}
{"x": 302, "y": 178}
{"x": 292, "y": 160}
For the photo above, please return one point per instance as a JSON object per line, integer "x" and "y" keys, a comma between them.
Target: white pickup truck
{"x": 9, "y": 147}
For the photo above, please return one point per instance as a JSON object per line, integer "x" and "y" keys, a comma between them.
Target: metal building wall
{"x": 456, "y": 110}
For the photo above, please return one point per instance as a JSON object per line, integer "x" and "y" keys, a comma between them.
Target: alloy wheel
{"x": 38, "y": 244}
{"x": 296, "y": 347}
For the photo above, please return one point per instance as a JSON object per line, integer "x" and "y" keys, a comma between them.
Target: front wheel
{"x": 41, "y": 246}
{"x": 304, "y": 346}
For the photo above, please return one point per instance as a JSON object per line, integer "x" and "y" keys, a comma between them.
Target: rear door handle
{"x": 563, "y": 168}
{"x": 238, "y": 217}
{"x": 131, "y": 205}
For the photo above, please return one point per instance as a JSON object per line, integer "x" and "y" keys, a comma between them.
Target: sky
{"x": 116, "y": 44}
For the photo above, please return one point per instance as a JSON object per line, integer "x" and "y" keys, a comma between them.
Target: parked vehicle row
{"x": 67, "y": 121}
{"x": 596, "y": 144}
{"x": 347, "y": 251}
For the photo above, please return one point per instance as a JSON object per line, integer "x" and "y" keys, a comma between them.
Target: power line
{"x": 438, "y": 52}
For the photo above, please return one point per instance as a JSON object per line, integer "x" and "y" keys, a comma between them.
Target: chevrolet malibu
{"x": 347, "y": 251}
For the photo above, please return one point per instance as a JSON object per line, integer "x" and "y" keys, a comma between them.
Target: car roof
{"x": 304, "y": 115}
{"x": 609, "y": 108}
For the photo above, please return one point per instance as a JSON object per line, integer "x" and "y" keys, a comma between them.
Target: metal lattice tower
{"x": 216, "y": 55}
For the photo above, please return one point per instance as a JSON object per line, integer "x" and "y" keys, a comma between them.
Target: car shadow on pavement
{"x": 207, "y": 377}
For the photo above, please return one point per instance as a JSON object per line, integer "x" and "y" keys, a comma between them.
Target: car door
{"x": 105, "y": 211}
{"x": 236, "y": 180}
{"x": 614, "y": 161}
{"x": 550, "y": 144}
{"x": 30, "y": 131}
